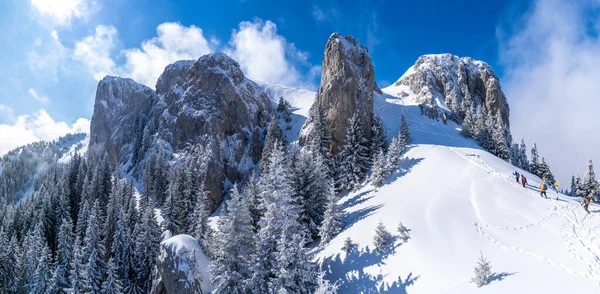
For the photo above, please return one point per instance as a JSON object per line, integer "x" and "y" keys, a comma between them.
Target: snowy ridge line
{"x": 479, "y": 230}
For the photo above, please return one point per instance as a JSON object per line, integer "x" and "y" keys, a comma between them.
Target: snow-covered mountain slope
{"x": 459, "y": 200}
{"x": 20, "y": 167}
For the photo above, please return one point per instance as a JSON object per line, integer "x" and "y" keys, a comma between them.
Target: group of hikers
{"x": 544, "y": 188}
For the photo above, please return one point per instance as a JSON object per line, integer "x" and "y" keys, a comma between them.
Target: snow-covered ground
{"x": 458, "y": 200}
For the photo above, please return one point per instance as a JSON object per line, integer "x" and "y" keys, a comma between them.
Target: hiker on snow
{"x": 543, "y": 187}
{"x": 523, "y": 180}
{"x": 516, "y": 174}
{"x": 586, "y": 203}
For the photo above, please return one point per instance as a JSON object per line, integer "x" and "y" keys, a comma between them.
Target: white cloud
{"x": 6, "y": 113}
{"x": 63, "y": 11}
{"x": 263, "y": 54}
{"x": 266, "y": 56}
{"x": 40, "y": 98}
{"x": 54, "y": 35}
{"x": 551, "y": 67}
{"x": 36, "y": 127}
{"x": 173, "y": 42}
{"x": 94, "y": 51}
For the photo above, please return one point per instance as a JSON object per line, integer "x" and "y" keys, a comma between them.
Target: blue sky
{"x": 54, "y": 53}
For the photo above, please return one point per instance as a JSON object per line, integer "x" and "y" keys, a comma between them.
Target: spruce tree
{"x": 331, "y": 224}
{"x": 111, "y": 284}
{"x": 383, "y": 239}
{"x": 324, "y": 286}
{"x": 590, "y": 184}
{"x": 393, "y": 156}
{"x": 378, "y": 136}
{"x": 235, "y": 246}
{"x": 64, "y": 254}
{"x": 578, "y": 192}
{"x": 122, "y": 251}
{"x": 380, "y": 172}
{"x": 11, "y": 269}
{"x": 42, "y": 277}
{"x": 404, "y": 133}
{"x": 403, "y": 232}
{"x": 274, "y": 134}
{"x": 573, "y": 187}
{"x": 523, "y": 155}
{"x": 355, "y": 154}
{"x": 279, "y": 213}
{"x": 468, "y": 123}
{"x": 295, "y": 272}
{"x": 483, "y": 272}
{"x": 251, "y": 194}
{"x": 93, "y": 253}
{"x": 534, "y": 165}
{"x": 147, "y": 239}
{"x": 75, "y": 275}
{"x": 349, "y": 245}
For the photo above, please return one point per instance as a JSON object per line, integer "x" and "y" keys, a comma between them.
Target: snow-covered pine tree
{"x": 109, "y": 224}
{"x": 573, "y": 187}
{"x": 523, "y": 155}
{"x": 545, "y": 173}
{"x": 60, "y": 280}
{"x": 122, "y": 250}
{"x": 378, "y": 136}
{"x": 42, "y": 277}
{"x": 380, "y": 172}
{"x": 404, "y": 232}
{"x": 201, "y": 229}
{"x": 147, "y": 239}
{"x": 75, "y": 274}
{"x": 32, "y": 250}
{"x": 349, "y": 245}
{"x": 11, "y": 267}
{"x": 393, "y": 156}
{"x": 514, "y": 156}
{"x": 355, "y": 153}
{"x": 295, "y": 272}
{"x": 383, "y": 239}
{"x": 111, "y": 284}
{"x": 279, "y": 210}
{"x": 274, "y": 134}
{"x": 590, "y": 184}
{"x": 534, "y": 164}
{"x": 93, "y": 253}
{"x": 251, "y": 194}
{"x": 331, "y": 224}
{"x": 82, "y": 220}
{"x": 235, "y": 246}
{"x": 468, "y": 122}
{"x": 404, "y": 135}
{"x": 483, "y": 272}
{"x": 578, "y": 192}
{"x": 324, "y": 286}
{"x": 310, "y": 181}
{"x": 284, "y": 107}
{"x": 500, "y": 145}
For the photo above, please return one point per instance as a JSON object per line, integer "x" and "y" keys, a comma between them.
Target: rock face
{"x": 206, "y": 105}
{"x": 119, "y": 104}
{"x": 454, "y": 81}
{"x": 182, "y": 267}
{"x": 347, "y": 86}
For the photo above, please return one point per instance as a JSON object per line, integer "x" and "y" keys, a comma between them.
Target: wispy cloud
{"x": 551, "y": 66}
{"x": 94, "y": 51}
{"x": 6, "y": 113}
{"x": 40, "y": 98}
{"x": 39, "y": 126}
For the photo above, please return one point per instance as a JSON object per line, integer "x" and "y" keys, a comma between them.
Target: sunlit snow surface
{"x": 458, "y": 200}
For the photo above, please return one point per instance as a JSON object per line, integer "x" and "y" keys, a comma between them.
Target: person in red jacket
{"x": 523, "y": 180}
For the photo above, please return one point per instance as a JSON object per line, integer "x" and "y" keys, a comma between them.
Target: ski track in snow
{"x": 572, "y": 229}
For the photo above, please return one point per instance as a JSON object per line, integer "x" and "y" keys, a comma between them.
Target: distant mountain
{"x": 20, "y": 167}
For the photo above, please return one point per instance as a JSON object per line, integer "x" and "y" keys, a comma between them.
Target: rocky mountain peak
{"x": 347, "y": 86}
{"x": 207, "y": 105}
{"x": 455, "y": 81}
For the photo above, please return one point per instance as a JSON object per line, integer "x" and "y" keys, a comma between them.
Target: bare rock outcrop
{"x": 347, "y": 86}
